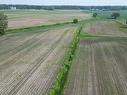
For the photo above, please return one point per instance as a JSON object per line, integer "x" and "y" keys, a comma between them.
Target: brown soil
{"x": 28, "y": 63}
{"x": 44, "y": 20}
{"x": 104, "y": 28}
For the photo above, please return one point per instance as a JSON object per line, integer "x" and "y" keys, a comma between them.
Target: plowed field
{"x": 29, "y": 61}
{"x": 100, "y": 66}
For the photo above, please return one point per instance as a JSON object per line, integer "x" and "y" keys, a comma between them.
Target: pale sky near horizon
{"x": 66, "y": 2}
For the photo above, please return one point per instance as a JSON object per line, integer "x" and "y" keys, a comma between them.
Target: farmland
{"x": 44, "y": 53}
{"x": 29, "y": 60}
{"x": 99, "y": 67}
{"x": 27, "y": 18}
{"x": 105, "y": 28}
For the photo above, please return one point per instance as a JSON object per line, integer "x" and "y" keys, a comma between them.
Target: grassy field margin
{"x": 63, "y": 72}
{"x": 35, "y": 28}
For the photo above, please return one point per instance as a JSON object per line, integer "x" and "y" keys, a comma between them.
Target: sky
{"x": 66, "y": 2}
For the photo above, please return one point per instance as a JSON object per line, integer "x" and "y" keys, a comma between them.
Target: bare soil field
{"x": 99, "y": 67}
{"x": 30, "y": 61}
{"x": 20, "y": 18}
{"x": 105, "y": 28}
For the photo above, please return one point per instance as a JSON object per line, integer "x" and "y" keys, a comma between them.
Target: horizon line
{"x": 62, "y": 5}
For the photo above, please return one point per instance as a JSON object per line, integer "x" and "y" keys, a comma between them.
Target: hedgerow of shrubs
{"x": 63, "y": 72}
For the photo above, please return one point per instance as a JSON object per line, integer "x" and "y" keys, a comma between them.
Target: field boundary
{"x": 25, "y": 29}
{"x": 61, "y": 77}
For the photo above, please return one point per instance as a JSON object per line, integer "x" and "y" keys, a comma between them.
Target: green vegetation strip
{"x": 37, "y": 28}
{"x": 86, "y": 35}
{"x": 63, "y": 72}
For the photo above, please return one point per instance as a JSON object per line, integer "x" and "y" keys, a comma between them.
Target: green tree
{"x": 75, "y": 20}
{"x": 115, "y": 15}
{"x": 3, "y": 23}
{"x": 95, "y": 15}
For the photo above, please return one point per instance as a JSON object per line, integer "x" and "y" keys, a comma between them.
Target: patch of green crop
{"x": 86, "y": 35}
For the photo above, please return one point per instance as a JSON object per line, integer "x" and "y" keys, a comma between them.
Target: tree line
{"x": 63, "y": 7}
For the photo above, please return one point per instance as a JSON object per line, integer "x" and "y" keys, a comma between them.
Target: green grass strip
{"x": 86, "y": 35}
{"x": 36, "y": 28}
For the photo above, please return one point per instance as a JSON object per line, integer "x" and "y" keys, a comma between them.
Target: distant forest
{"x": 63, "y": 7}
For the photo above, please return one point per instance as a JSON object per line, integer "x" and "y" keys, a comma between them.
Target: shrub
{"x": 3, "y": 23}
{"x": 75, "y": 20}
{"x": 94, "y": 15}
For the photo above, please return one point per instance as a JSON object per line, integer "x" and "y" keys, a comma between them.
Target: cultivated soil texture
{"x": 27, "y": 18}
{"x": 99, "y": 67}
{"x": 29, "y": 61}
{"x": 105, "y": 28}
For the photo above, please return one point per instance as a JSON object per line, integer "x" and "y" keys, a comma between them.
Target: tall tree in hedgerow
{"x": 3, "y": 23}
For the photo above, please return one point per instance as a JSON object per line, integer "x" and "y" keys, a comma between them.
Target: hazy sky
{"x": 65, "y": 2}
